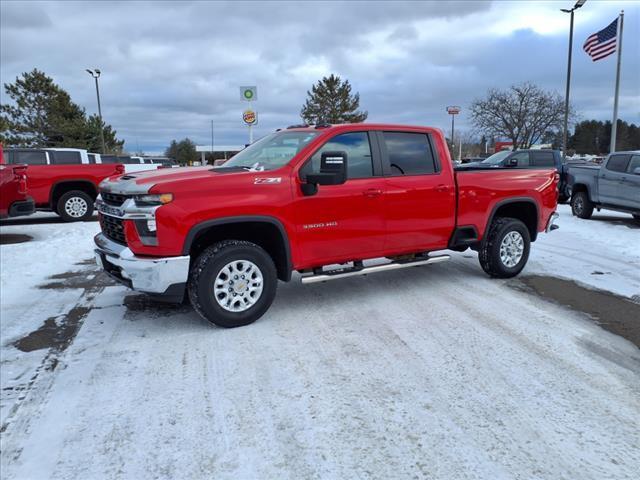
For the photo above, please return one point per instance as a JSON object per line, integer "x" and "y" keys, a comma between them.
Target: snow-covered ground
{"x": 431, "y": 372}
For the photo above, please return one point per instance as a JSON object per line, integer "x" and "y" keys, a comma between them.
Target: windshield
{"x": 270, "y": 152}
{"x": 496, "y": 158}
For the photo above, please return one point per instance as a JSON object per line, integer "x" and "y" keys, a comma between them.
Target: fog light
{"x": 151, "y": 225}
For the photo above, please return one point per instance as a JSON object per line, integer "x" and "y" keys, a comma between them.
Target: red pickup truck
{"x": 306, "y": 199}
{"x": 60, "y": 181}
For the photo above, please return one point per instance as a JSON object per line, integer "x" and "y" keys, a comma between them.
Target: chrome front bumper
{"x": 551, "y": 224}
{"x": 163, "y": 276}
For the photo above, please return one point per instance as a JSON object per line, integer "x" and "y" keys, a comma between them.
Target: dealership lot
{"x": 434, "y": 371}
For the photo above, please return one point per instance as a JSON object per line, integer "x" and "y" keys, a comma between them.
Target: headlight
{"x": 153, "y": 200}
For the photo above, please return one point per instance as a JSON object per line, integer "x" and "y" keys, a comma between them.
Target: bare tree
{"x": 523, "y": 113}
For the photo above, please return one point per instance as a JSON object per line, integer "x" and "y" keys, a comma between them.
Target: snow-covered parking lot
{"x": 429, "y": 372}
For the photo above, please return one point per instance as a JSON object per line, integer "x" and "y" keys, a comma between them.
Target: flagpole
{"x": 614, "y": 124}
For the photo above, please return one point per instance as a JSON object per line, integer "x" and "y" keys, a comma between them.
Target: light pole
{"x": 578, "y": 4}
{"x": 95, "y": 73}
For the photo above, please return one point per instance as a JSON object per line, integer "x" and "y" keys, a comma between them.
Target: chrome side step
{"x": 344, "y": 273}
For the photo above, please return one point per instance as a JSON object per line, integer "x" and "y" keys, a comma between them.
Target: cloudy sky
{"x": 170, "y": 68}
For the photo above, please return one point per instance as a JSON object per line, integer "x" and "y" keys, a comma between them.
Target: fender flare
{"x": 509, "y": 201}
{"x": 199, "y": 227}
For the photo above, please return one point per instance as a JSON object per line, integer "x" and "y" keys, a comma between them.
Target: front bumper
{"x": 551, "y": 223}
{"x": 160, "y": 276}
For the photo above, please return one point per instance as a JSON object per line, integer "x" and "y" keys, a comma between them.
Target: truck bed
{"x": 480, "y": 192}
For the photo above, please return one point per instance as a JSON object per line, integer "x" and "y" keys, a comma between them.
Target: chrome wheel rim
{"x": 76, "y": 207}
{"x": 511, "y": 249}
{"x": 577, "y": 205}
{"x": 238, "y": 286}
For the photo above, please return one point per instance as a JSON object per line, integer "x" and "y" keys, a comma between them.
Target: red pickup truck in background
{"x": 306, "y": 198}
{"x": 14, "y": 199}
{"x": 60, "y": 181}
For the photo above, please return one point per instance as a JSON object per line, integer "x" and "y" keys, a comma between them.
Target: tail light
{"x": 119, "y": 168}
{"x": 20, "y": 174}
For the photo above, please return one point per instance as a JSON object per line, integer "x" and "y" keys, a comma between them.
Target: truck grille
{"x": 113, "y": 228}
{"x": 114, "y": 199}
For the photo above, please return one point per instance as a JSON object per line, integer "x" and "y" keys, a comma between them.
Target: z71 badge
{"x": 263, "y": 180}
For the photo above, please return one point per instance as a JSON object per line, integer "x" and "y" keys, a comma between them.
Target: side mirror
{"x": 333, "y": 171}
{"x": 512, "y": 162}
{"x": 636, "y": 171}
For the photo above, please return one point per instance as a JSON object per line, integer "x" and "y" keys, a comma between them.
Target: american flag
{"x": 602, "y": 44}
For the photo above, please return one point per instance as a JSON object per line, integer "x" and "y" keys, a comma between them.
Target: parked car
{"x": 303, "y": 199}
{"x": 613, "y": 186}
{"x": 63, "y": 184}
{"x": 14, "y": 198}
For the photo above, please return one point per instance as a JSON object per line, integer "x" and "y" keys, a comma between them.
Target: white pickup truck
{"x": 131, "y": 163}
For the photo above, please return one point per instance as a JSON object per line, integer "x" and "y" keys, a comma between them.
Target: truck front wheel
{"x": 75, "y": 206}
{"x": 581, "y": 206}
{"x": 232, "y": 283}
{"x": 505, "y": 248}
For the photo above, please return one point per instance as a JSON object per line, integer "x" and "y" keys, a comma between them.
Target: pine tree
{"x": 182, "y": 152}
{"x": 330, "y": 101}
{"x": 42, "y": 115}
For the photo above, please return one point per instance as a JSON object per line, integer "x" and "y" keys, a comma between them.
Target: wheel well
{"x": 525, "y": 211}
{"x": 61, "y": 188}
{"x": 580, "y": 187}
{"x": 265, "y": 234}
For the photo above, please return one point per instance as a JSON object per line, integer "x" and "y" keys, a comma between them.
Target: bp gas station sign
{"x": 249, "y": 94}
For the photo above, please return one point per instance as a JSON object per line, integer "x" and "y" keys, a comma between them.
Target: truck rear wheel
{"x": 232, "y": 283}
{"x": 504, "y": 251}
{"x": 581, "y": 206}
{"x": 75, "y": 206}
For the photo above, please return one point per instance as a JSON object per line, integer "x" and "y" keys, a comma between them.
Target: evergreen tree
{"x": 330, "y": 101}
{"x": 182, "y": 152}
{"x": 42, "y": 115}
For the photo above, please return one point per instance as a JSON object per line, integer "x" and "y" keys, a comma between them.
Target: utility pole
{"x": 95, "y": 73}
{"x": 213, "y": 155}
{"x": 578, "y": 4}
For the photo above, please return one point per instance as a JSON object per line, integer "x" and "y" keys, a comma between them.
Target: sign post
{"x": 453, "y": 111}
{"x": 249, "y": 116}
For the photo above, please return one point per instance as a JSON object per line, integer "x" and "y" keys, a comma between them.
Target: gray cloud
{"x": 169, "y": 68}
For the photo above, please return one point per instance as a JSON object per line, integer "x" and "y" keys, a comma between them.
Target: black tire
{"x": 581, "y": 206}
{"x": 489, "y": 253}
{"x": 636, "y": 216}
{"x": 79, "y": 210}
{"x": 210, "y": 264}
{"x": 562, "y": 199}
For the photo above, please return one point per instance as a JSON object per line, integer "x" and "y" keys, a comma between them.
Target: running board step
{"x": 342, "y": 273}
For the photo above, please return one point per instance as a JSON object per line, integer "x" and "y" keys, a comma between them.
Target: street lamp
{"x": 95, "y": 73}
{"x": 578, "y": 4}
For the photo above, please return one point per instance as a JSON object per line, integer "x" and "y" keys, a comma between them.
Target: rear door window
{"x": 31, "y": 157}
{"x": 65, "y": 158}
{"x": 542, "y": 159}
{"x": 618, "y": 163}
{"x": 409, "y": 153}
{"x": 92, "y": 157}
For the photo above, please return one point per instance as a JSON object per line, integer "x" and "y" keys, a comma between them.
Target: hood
{"x": 137, "y": 183}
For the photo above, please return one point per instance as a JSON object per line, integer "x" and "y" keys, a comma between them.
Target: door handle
{"x": 372, "y": 192}
{"x": 442, "y": 188}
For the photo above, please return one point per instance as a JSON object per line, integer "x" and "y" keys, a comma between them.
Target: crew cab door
{"x": 344, "y": 222}
{"x": 419, "y": 204}
{"x": 612, "y": 178}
